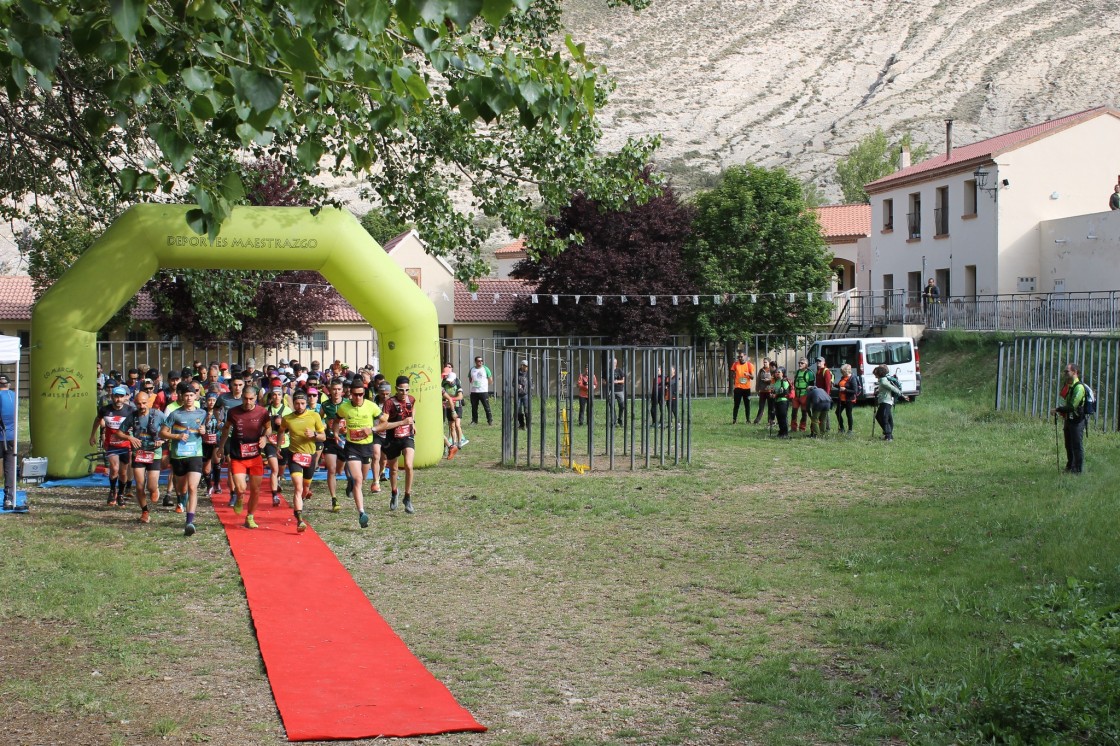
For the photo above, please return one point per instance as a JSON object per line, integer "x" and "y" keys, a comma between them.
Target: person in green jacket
{"x": 885, "y": 397}
{"x": 1072, "y": 410}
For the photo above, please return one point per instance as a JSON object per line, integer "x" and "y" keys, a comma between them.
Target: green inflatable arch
{"x": 65, "y": 321}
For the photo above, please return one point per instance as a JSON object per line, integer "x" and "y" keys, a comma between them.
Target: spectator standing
{"x": 1072, "y": 411}
{"x": 885, "y": 397}
{"x": 657, "y": 398}
{"x": 1114, "y": 198}
{"x": 8, "y": 440}
{"x": 524, "y": 387}
{"x": 481, "y": 383}
{"x": 618, "y": 391}
{"x": 586, "y": 385}
{"x": 671, "y": 395}
{"x": 742, "y": 374}
{"x": 779, "y": 395}
{"x": 802, "y": 380}
{"x": 931, "y": 301}
{"x": 849, "y": 392}
{"x": 765, "y": 382}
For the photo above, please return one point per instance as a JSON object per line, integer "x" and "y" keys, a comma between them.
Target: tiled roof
{"x": 494, "y": 300}
{"x": 16, "y": 297}
{"x": 392, "y": 242}
{"x": 340, "y": 311}
{"x": 517, "y": 247}
{"x": 986, "y": 150}
{"x": 839, "y": 222}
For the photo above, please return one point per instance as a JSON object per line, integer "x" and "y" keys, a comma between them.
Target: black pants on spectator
{"x": 744, "y": 396}
{"x": 8, "y": 453}
{"x": 842, "y": 408}
{"x": 1075, "y": 444}
{"x": 884, "y": 415}
{"x": 781, "y": 411}
{"x": 484, "y": 397}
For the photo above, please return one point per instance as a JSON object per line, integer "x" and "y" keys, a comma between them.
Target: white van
{"x": 899, "y": 354}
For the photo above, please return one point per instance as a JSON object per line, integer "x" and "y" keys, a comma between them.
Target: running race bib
{"x": 303, "y": 459}
{"x": 143, "y": 457}
{"x": 743, "y": 379}
{"x": 210, "y": 438}
{"x": 356, "y": 434}
{"x": 402, "y": 431}
{"x": 273, "y": 439}
{"x": 248, "y": 450}
{"x": 190, "y": 449}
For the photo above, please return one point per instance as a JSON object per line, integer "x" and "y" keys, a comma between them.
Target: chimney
{"x": 904, "y": 157}
{"x": 948, "y": 139}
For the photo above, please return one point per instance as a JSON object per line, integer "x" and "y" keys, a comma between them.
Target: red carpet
{"x": 337, "y": 670}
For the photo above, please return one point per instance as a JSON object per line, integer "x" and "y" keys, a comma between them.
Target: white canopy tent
{"x": 9, "y": 355}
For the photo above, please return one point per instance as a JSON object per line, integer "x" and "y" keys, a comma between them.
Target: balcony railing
{"x": 1015, "y": 312}
{"x": 941, "y": 221}
{"x": 914, "y": 224}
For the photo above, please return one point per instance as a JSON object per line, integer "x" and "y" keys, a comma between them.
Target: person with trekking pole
{"x": 885, "y": 399}
{"x": 1073, "y": 411}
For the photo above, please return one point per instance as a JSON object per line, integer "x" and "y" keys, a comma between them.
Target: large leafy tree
{"x": 872, "y": 158}
{"x": 244, "y": 306}
{"x": 420, "y": 97}
{"x": 636, "y": 252}
{"x": 753, "y": 235}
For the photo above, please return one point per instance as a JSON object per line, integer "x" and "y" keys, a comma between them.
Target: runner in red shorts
{"x": 247, "y": 429}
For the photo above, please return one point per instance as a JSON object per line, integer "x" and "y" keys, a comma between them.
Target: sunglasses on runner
{"x": 357, "y": 393}
{"x": 403, "y": 388}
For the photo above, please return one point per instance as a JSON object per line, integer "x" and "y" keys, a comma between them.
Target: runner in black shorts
{"x": 399, "y": 422}
{"x": 333, "y": 457}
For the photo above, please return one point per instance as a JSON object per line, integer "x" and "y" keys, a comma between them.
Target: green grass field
{"x": 950, "y": 586}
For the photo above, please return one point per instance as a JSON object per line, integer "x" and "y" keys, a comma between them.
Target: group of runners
{"x": 210, "y": 417}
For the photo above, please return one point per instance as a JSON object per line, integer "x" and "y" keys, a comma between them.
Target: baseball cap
{"x": 313, "y": 391}
{"x": 525, "y": 363}
{"x": 120, "y": 391}
{"x": 153, "y": 373}
{"x": 276, "y": 390}
{"x": 283, "y": 361}
{"x": 251, "y": 362}
{"x": 820, "y": 359}
{"x": 223, "y": 366}
{"x": 4, "y": 379}
{"x": 300, "y": 395}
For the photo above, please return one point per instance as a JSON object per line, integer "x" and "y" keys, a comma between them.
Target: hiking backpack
{"x": 1089, "y": 403}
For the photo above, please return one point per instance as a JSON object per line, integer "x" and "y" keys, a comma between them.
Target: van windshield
{"x": 836, "y": 355}
{"x": 889, "y": 353}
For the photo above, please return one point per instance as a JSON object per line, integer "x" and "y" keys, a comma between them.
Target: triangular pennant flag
{"x": 674, "y": 300}
{"x": 445, "y": 297}
{"x": 754, "y": 297}
{"x": 828, "y": 297}
{"x": 717, "y": 299}
{"x": 534, "y": 297}
{"x": 556, "y": 300}
{"x": 302, "y": 288}
{"x": 474, "y": 296}
{"x": 577, "y": 299}
{"x": 497, "y": 296}
{"x": 809, "y": 297}
{"x": 791, "y": 297}
{"x": 598, "y": 300}
{"x": 696, "y": 300}
{"x": 734, "y": 298}
{"x": 653, "y": 300}
{"x": 624, "y": 299}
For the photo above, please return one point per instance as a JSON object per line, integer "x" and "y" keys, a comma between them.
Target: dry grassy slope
{"x": 796, "y": 84}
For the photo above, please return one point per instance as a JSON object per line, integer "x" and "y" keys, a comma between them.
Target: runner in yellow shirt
{"x": 304, "y": 430}
{"x": 356, "y": 421}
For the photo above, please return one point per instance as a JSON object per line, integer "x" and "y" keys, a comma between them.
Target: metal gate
{"x": 1029, "y": 376}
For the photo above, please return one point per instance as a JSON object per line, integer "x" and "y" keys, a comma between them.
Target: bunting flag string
{"x": 558, "y": 298}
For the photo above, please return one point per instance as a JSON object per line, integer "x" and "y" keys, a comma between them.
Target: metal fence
{"x": 1015, "y": 312}
{"x": 1029, "y": 375}
{"x": 644, "y": 421}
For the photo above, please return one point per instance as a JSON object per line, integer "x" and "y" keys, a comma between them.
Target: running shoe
{"x": 307, "y": 494}
{"x": 301, "y": 526}
{"x": 463, "y": 442}
{"x": 393, "y": 501}
{"x": 451, "y": 452}
{"x": 385, "y": 475}
{"x": 167, "y": 501}
{"x": 275, "y": 500}
{"x": 238, "y": 506}
{"x": 178, "y": 508}
{"x": 189, "y": 530}
{"x": 334, "y": 506}
{"x": 250, "y": 522}
{"x": 363, "y": 520}
{"x": 232, "y": 499}
{"x": 145, "y": 517}
{"x": 218, "y": 488}
{"x": 111, "y": 501}
{"x": 408, "y": 505}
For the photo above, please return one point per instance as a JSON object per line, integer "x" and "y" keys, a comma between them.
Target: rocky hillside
{"x": 796, "y": 83}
